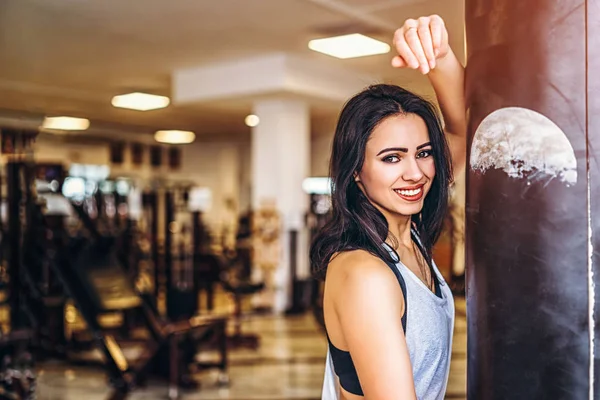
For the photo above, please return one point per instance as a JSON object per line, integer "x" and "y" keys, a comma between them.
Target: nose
{"x": 412, "y": 171}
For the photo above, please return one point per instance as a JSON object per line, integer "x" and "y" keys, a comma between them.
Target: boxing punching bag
{"x": 533, "y": 199}
{"x": 593, "y": 154}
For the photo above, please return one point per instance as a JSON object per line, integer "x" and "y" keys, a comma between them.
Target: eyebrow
{"x": 403, "y": 149}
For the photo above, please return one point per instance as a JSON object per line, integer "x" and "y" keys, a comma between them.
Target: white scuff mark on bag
{"x": 524, "y": 144}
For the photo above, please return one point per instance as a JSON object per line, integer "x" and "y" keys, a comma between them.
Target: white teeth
{"x": 412, "y": 192}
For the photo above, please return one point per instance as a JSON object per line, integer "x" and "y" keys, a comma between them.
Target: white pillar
{"x": 280, "y": 162}
{"x": 229, "y": 188}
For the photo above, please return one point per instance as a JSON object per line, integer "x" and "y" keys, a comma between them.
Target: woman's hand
{"x": 420, "y": 43}
{"x": 423, "y": 44}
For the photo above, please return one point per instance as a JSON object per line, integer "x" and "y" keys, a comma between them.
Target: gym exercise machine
{"x": 90, "y": 273}
{"x": 17, "y": 373}
{"x": 95, "y": 280}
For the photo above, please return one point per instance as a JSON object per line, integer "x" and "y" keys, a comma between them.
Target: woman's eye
{"x": 391, "y": 159}
{"x": 424, "y": 154}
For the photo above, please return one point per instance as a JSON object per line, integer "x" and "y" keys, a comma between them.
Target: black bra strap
{"x": 403, "y": 286}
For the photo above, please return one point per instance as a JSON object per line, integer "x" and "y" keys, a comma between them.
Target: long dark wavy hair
{"x": 356, "y": 223}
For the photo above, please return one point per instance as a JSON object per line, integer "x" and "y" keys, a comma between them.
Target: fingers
{"x": 414, "y": 42}
{"x": 426, "y": 41}
{"x": 398, "y": 62}
{"x": 404, "y": 50}
{"x": 445, "y": 45}
{"x": 437, "y": 31}
{"x": 420, "y": 43}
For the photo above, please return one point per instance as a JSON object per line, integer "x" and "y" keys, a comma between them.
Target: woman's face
{"x": 398, "y": 169}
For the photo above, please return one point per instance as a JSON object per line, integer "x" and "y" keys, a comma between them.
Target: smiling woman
{"x": 396, "y": 179}
{"x": 391, "y": 170}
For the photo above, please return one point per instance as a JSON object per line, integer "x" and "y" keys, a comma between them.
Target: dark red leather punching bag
{"x": 533, "y": 202}
{"x": 593, "y": 153}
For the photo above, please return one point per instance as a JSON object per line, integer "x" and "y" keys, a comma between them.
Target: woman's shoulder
{"x": 357, "y": 264}
{"x": 357, "y": 276}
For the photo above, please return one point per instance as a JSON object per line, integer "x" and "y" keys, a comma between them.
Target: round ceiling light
{"x": 252, "y": 120}
{"x": 140, "y": 101}
{"x": 174, "y": 137}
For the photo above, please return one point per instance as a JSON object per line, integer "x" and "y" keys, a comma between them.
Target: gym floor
{"x": 288, "y": 365}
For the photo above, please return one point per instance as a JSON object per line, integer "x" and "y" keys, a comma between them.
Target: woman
{"x": 388, "y": 312}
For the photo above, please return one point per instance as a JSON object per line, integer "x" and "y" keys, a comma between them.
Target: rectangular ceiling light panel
{"x": 66, "y": 123}
{"x": 349, "y": 46}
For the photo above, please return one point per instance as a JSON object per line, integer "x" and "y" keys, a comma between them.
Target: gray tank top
{"x": 429, "y": 331}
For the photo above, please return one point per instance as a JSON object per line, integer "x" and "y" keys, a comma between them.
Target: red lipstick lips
{"x": 411, "y": 193}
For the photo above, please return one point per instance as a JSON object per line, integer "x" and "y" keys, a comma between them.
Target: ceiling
{"x": 70, "y": 57}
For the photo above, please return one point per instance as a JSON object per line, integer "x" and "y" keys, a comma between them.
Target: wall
{"x": 320, "y": 151}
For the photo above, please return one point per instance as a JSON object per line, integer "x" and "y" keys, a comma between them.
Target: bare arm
{"x": 368, "y": 303}
{"x": 448, "y": 81}
{"x": 423, "y": 44}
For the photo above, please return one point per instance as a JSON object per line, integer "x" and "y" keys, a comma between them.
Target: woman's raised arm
{"x": 423, "y": 44}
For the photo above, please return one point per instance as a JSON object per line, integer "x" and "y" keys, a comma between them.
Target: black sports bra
{"x": 342, "y": 360}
